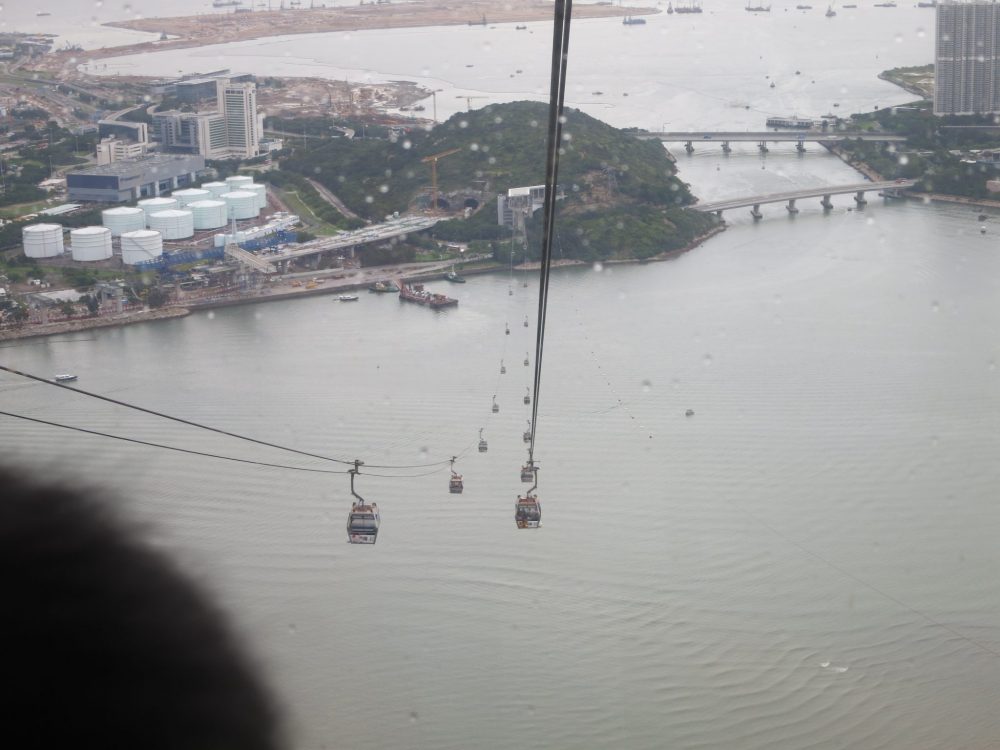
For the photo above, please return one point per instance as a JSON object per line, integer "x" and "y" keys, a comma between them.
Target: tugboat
{"x": 453, "y": 277}
{"x": 65, "y": 377}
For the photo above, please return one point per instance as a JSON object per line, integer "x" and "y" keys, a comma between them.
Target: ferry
{"x": 794, "y": 122}
{"x": 417, "y": 293}
{"x": 633, "y": 21}
{"x": 65, "y": 378}
{"x": 693, "y": 7}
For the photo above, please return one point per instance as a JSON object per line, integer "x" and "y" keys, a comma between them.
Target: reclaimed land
{"x": 219, "y": 28}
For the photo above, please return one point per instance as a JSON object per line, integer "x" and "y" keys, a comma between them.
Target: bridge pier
{"x": 791, "y": 206}
{"x": 688, "y": 147}
{"x": 725, "y": 147}
{"x": 755, "y": 212}
{"x": 763, "y": 147}
{"x": 800, "y": 147}
{"x": 826, "y": 203}
{"x": 860, "y": 199}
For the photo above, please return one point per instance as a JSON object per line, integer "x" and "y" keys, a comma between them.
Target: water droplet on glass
{"x": 211, "y": 314}
{"x": 598, "y": 266}
{"x": 992, "y": 366}
{"x": 423, "y": 452}
{"x": 383, "y": 189}
{"x": 647, "y": 386}
{"x": 407, "y": 144}
{"x": 473, "y": 146}
{"x": 463, "y": 123}
{"x": 935, "y": 307}
{"x": 413, "y": 717}
{"x": 899, "y": 38}
{"x": 707, "y": 361}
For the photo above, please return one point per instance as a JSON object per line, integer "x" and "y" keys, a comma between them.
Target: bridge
{"x": 763, "y": 137}
{"x": 344, "y": 240}
{"x": 891, "y": 189}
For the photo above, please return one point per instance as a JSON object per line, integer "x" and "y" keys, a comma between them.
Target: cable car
{"x": 363, "y": 520}
{"x": 496, "y": 406}
{"x": 527, "y": 433}
{"x": 455, "y": 485}
{"x": 525, "y": 360}
{"x": 482, "y": 442}
{"x": 507, "y": 329}
{"x": 528, "y": 471}
{"x": 527, "y": 397}
{"x": 525, "y": 283}
{"x": 525, "y": 321}
{"x": 510, "y": 292}
{"x": 528, "y": 512}
{"x": 503, "y": 368}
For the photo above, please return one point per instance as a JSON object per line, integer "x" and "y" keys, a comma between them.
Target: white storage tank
{"x": 152, "y": 205}
{"x": 209, "y": 214}
{"x": 260, "y": 191}
{"x": 215, "y": 188}
{"x": 242, "y": 204}
{"x": 190, "y": 195}
{"x": 173, "y": 224}
{"x": 238, "y": 182}
{"x": 90, "y": 243}
{"x": 123, "y": 219}
{"x": 140, "y": 245}
{"x": 42, "y": 240}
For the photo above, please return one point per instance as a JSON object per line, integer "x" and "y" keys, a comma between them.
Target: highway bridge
{"x": 763, "y": 137}
{"x": 344, "y": 240}
{"x": 888, "y": 188}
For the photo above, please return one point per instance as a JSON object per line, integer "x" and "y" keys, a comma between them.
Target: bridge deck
{"x": 756, "y": 200}
{"x": 343, "y": 240}
{"x": 771, "y": 136}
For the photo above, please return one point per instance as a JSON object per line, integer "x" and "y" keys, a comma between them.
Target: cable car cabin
{"x": 455, "y": 485}
{"x": 525, "y": 361}
{"x": 482, "y": 445}
{"x": 528, "y": 512}
{"x": 503, "y": 369}
{"x": 528, "y": 473}
{"x": 527, "y": 397}
{"x": 507, "y": 330}
{"x": 496, "y": 407}
{"x": 525, "y": 321}
{"x": 527, "y": 436}
{"x": 362, "y": 523}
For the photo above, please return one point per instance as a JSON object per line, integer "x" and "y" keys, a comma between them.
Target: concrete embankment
{"x": 85, "y": 324}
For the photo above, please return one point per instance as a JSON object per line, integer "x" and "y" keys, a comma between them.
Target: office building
{"x": 967, "y": 59}
{"x": 232, "y": 131}
{"x": 131, "y": 179}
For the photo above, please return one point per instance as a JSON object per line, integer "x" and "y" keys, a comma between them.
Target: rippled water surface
{"x": 808, "y": 561}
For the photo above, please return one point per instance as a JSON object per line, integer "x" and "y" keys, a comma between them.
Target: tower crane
{"x": 468, "y": 101}
{"x": 434, "y": 174}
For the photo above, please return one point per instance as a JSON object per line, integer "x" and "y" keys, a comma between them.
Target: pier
{"x": 889, "y": 189}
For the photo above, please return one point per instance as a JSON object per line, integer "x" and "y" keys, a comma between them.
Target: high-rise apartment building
{"x": 232, "y": 131}
{"x": 967, "y": 58}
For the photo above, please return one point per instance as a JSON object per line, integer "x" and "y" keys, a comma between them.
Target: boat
{"x": 453, "y": 277}
{"x": 692, "y": 7}
{"x": 772, "y": 84}
{"x": 981, "y": 217}
{"x": 383, "y": 286}
{"x": 803, "y": 7}
{"x": 670, "y": 8}
{"x": 597, "y": 93}
{"x": 757, "y": 8}
{"x": 931, "y": 4}
{"x": 528, "y": 512}
{"x": 689, "y": 413}
{"x": 226, "y": 3}
{"x": 830, "y": 12}
{"x": 348, "y": 298}
{"x": 794, "y": 122}
{"x": 633, "y": 21}
{"x": 43, "y": 13}
{"x": 520, "y": 28}
{"x": 416, "y": 293}
{"x": 65, "y": 377}
{"x": 885, "y": 5}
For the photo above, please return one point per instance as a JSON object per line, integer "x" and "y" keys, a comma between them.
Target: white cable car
{"x": 528, "y": 512}
{"x": 455, "y": 485}
{"x": 363, "y": 520}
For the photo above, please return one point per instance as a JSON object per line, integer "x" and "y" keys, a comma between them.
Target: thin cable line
{"x": 217, "y": 430}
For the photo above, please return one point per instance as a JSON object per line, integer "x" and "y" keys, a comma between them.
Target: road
{"x": 332, "y": 199}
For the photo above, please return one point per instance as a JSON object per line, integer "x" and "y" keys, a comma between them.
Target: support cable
{"x": 560, "y": 54}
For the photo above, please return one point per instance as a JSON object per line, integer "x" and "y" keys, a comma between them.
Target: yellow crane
{"x": 434, "y": 174}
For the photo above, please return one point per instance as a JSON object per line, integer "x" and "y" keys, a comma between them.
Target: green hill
{"x": 623, "y": 197}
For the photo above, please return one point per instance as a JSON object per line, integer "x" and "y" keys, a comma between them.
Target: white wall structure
{"x": 173, "y": 224}
{"x": 90, "y": 243}
{"x": 123, "y": 219}
{"x": 261, "y": 191}
{"x": 238, "y": 182}
{"x": 215, "y": 188}
{"x": 210, "y": 214}
{"x": 140, "y": 245}
{"x": 42, "y": 240}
